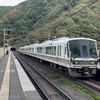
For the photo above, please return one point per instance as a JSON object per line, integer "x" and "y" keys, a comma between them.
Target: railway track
{"x": 59, "y": 72}
{"x": 47, "y": 89}
{"x": 92, "y": 85}
{"x": 89, "y": 85}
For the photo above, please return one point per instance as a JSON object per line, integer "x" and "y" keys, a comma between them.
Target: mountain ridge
{"x": 54, "y": 18}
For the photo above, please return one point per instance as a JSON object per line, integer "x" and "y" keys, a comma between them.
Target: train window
{"x": 92, "y": 48}
{"x": 93, "y": 51}
{"x": 26, "y": 49}
{"x": 84, "y": 49}
{"x": 32, "y": 49}
{"x": 83, "y": 41}
{"x": 54, "y": 50}
{"x": 39, "y": 50}
{"x": 51, "y": 50}
{"x": 29, "y": 49}
{"x": 47, "y": 50}
{"x": 74, "y": 47}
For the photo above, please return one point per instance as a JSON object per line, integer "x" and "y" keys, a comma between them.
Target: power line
{"x": 77, "y": 11}
{"x": 83, "y": 8}
{"x": 29, "y": 36}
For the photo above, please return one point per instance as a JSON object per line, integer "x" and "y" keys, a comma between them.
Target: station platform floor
{"x": 14, "y": 83}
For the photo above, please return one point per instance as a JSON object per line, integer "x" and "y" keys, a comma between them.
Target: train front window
{"x": 82, "y": 48}
{"x": 74, "y": 47}
{"x": 85, "y": 50}
{"x": 92, "y": 49}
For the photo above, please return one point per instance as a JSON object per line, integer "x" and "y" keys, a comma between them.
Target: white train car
{"x": 77, "y": 56}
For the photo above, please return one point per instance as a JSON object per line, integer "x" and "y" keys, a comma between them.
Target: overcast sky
{"x": 10, "y": 2}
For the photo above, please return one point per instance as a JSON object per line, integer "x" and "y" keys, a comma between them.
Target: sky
{"x": 10, "y": 2}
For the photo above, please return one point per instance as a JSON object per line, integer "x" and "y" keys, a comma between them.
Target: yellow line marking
{"x": 4, "y": 93}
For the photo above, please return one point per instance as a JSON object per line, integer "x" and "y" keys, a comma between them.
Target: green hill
{"x": 4, "y": 10}
{"x": 53, "y": 18}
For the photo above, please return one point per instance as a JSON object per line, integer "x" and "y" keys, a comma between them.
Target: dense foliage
{"x": 53, "y": 18}
{"x": 3, "y": 10}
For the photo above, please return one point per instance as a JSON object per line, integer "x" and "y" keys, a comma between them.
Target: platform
{"x": 1, "y": 52}
{"x": 14, "y": 83}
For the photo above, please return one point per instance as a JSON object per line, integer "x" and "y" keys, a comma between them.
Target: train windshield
{"x": 82, "y": 48}
{"x": 74, "y": 47}
{"x": 92, "y": 49}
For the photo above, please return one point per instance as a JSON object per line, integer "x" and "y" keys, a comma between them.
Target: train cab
{"x": 83, "y": 55}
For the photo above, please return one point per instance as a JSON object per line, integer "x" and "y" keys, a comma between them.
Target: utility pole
{"x": 4, "y": 42}
{"x": 4, "y": 34}
{"x": 49, "y": 36}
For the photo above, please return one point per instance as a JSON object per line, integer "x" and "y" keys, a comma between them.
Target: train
{"x": 77, "y": 57}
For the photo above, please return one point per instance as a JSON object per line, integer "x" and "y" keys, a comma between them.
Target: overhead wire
{"x": 67, "y": 4}
{"x": 78, "y": 10}
{"x": 74, "y": 12}
{"x": 83, "y": 8}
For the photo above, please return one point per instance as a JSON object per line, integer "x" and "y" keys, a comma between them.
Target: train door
{"x": 84, "y": 49}
{"x": 43, "y": 52}
{"x": 64, "y": 51}
{"x": 65, "y": 54}
{"x": 58, "y": 52}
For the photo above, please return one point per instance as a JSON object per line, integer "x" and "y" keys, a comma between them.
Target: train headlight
{"x": 76, "y": 62}
{"x": 92, "y": 62}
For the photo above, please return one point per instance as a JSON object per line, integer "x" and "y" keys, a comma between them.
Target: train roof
{"x": 57, "y": 41}
{"x": 64, "y": 39}
{"x": 79, "y": 38}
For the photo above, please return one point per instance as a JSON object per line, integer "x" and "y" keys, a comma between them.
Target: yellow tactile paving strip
{"x": 4, "y": 92}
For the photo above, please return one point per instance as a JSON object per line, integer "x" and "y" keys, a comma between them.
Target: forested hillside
{"x": 4, "y": 10}
{"x": 53, "y": 18}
